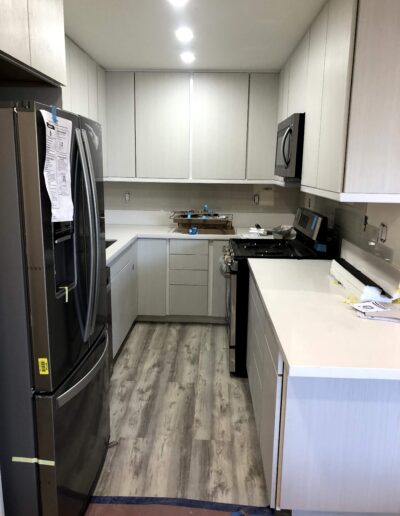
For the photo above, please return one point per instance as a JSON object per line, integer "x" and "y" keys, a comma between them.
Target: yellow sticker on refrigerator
{"x": 43, "y": 366}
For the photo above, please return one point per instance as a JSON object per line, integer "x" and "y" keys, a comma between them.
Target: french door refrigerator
{"x": 54, "y": 381}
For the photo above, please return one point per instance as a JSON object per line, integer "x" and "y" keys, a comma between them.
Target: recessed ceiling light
{"x": 178, "y": 3}
{"x": 188, "y": 57}
{"x": 184, "y": 34}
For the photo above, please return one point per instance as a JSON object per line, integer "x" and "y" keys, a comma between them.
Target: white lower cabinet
{"x": 124, "y": 295}
{"x": 152, "y": 277}
{"x": 188, "y": 277}
{"x": 265, "y": 381}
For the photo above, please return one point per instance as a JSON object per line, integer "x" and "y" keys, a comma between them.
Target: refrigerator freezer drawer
{"x": 73, "y": 433}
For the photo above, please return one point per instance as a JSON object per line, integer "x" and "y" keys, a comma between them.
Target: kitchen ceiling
{"x": 228, "y": 34}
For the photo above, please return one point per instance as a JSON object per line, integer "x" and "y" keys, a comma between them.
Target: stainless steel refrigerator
{"x": 54, "y": 360}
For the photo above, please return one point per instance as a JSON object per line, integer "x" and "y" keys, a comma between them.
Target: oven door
{"x": 232, "y": 321}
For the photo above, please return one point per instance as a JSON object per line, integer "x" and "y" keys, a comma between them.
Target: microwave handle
{"x": 285, "y": 136}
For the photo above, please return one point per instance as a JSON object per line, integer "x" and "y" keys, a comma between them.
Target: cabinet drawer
{"x": 266, "y": 327}
{"x": 182, "y": 277}
{"x": 188, "y": 247}
{"x": 194, "y": 262}
{"x": 188, "y": 300}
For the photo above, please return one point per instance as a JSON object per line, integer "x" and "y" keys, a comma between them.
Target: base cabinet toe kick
{"x": 330, "y": 446}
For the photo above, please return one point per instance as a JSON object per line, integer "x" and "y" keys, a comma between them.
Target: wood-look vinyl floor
{"x": 185, "y": 428}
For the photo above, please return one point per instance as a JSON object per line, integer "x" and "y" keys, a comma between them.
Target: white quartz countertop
{"x": 126, "y": 234}
{"x": 319, "y": 334}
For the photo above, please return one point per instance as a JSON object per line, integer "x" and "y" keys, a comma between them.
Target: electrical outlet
{"x": 127, "y": 196}
{"x": 256, "y": 199}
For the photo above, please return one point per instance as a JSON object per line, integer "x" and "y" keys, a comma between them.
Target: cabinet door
{"x": 298, "y": 77}
{"x": 219, "y": 125}
{"x": 152, "y": 276}
{"x": 336, "y": 93}
{"x": 122, "y": 305}
{"x": 269, "y": 425}
{"x": 218, "y": 284}
{"x": 120, "y": 124}
{"x": 14, "y": 29}
{"x": 78, "y": 80}
{"x": 315, "y": 83}
{"x": 101, "y": 112}
{"x": 47, "y": 38}
{"x": 263, "y": 113}
{"x": 92, "y": 89}
{"x": 162, "y": 124}
{"x": 188, "y": 300}
{"x": 283, "y": 92}
{"x": 373, "y": 147}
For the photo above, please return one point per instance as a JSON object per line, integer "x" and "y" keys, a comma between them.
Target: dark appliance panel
{"x": 73, "y": 432}
{"x": 289, "y": 147}
{"x": 92, "y": 146}
{"x": 55, "y": 255}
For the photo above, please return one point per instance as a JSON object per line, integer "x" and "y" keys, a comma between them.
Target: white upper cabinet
{"x": 298, "y": 77}
{"x": 373, "y": 150}
{"x": 162, "y": 124}
{"x": 32, "y": 31}
{"x": 78, "y": 80}
{"x": 263, "y": 112}
{"x": 313, "y": 97}
{"x": 120, "y": 124}
{"x": 102, "y": 112}
{"x": 336, "y": 93}
{"x": 219, "y": 125}
{"x": 92, "y": 89}
{"x": 14, "y": 29}
{"x": 47, "y": 38}
{"x": 284, "y": 78}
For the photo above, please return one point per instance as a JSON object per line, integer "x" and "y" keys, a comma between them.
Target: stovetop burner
{"x": 269, "y": 249}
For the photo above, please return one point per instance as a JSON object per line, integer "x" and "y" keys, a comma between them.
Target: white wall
{"x": 152, "y": 203}
{"x": 349, "y": 219}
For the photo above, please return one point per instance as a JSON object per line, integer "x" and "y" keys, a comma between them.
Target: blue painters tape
{"x": 314, "y": 223}
{"x": 54, "y": 114}
{"x": 320, "y": 247}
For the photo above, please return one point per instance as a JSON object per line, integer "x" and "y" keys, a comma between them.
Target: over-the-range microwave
{"x": 289, "y": 147}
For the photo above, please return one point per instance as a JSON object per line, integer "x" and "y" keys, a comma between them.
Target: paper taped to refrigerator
{"x": 57, "y": 167}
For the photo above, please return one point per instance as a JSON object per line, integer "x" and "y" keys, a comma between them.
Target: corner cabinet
{"x": 152, "y": 256}
{"x": 32, "y": 32}
{"x": 219, "y": 125}
{"x": 162, "y": 125}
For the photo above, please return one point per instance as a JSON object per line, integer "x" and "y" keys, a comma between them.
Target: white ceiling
{"x": 228, "y": 34}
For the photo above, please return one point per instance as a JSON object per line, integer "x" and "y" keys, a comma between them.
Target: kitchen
{"x": 164, "y": 358}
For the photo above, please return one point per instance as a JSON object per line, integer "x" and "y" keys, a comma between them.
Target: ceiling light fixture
{"x": 178, "y": 3}
{"x": 188, "y": 57}
{"x": 184, "y": 34}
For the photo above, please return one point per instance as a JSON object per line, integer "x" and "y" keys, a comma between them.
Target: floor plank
{"x": 185, "y": 428}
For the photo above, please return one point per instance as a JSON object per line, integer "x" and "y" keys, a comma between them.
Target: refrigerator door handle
{"x": 83, "y": 382}
{"x": 96, "y": 226}
{"x": 89, "y": 199}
